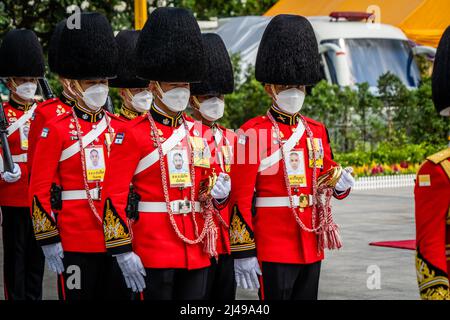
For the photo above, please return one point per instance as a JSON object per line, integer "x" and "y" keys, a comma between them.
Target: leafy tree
{"x": 397, "y": 101}
{"x": 42, "y": 15}
{"x": 205, "y": 9}
{"x": 248, "y": 99}
{"x": 426, "y": 124}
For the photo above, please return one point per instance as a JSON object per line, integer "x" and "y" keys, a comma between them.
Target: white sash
{"x": 287, "y": 147}
{"x": 218, "y": 136}
{"x": 87, "y": 139}
{"x": 21, "y": 121}
{"x": 13, "y": 128}
{"x": 168, "y": 145}
{"x": 20, "y": 158}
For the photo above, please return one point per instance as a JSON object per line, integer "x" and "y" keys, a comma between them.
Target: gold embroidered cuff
{"x": 242, "y": 242}
{"x": 433, "y": 282}
{"x": 44, "y": 225}
{"x": 117, "y": 235}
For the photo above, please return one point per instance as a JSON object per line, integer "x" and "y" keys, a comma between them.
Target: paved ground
{"x": 364, "y": 217}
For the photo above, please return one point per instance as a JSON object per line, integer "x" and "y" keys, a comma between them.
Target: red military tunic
{"x": 16, "y": 194}
{"x": 432, "y": 203}
{"x": 154, "y": 239}
{"x": 278, "y": 236}
{"x": 45, "y": 112}
{"x": 221, "y": 142}
{"x": 75, "y": 225}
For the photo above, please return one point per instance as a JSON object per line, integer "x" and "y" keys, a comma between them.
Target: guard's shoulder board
{"x": 440, "y": 156}
{"x": 242, "y": 139}
{"x": 119, "y": 138}
{"x": 44, "y": 133}
{"x": 424, "y": 180}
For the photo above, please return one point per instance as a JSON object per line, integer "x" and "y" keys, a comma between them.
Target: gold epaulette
{"x": 440, "y": 156}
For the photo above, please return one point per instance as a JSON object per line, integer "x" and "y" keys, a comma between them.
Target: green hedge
{"x": 388, "y": 154}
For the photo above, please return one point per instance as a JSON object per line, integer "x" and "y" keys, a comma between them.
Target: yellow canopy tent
{"x": 423, "y": 21}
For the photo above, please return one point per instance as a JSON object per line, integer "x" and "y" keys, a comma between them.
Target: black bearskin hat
{"x": 170, "y": 47}
{"x": 288, "y": 53}
{"x": 21, "y": 55}
{"x": 219, "y": 78}
{"x": 88, "y": 52}
{"x": 441, "y": 76}
{"x": 126, "y": 70}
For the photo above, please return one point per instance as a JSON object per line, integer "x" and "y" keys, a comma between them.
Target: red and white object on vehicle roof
{"x": 351, "y": 15}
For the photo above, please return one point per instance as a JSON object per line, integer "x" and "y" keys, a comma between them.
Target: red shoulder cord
{"x": 83, "y": 162}
{"x": 209, "y": 231}
{"x": 326, "y": 230}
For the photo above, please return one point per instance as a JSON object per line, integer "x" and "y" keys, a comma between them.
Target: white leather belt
{"x": 177, "y": 206}
{"x": 17, "y": 159}
{"x": 20, "y": 158}
{"x": 302, "y": 201}
{"x": 80, "y": 194}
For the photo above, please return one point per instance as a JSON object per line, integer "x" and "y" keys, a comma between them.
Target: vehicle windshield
{"x": 368, "y": 59}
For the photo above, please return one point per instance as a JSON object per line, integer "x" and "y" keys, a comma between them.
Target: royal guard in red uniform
{"x": 207, "y": 101}
{"x": 53, "y": 107}
{"x": 72, "y": 150}
{"x": 21, "y": 63}
{"x": 169, "y": 212}
{"x": 135, "y": 94}
{"x": 432, "y": 196}
{"x": 286, "y": 174}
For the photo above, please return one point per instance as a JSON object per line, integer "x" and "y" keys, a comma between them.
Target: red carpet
{"x": 401, "y": 244}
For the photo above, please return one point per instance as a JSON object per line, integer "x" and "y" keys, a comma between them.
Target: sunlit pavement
{"x": 364, "y": 217}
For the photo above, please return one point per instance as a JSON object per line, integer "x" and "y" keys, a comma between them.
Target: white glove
{"x": 132, "y": 270}
{"x": 246, "y": 272}
{"x": 12, "y": 177}
{"x": 222, "y": 188}
{"x": 346, "y": 181}
{"x": 54, "y": 254}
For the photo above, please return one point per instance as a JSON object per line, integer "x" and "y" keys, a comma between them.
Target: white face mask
{"x": 175, "y": 99}
{"x": 142, "y": 101}
{"x": 26, "y": 90}
{"x": 212, "y": 109}
{"x": 95, "y": 96}
{"x": 290, "y": 100}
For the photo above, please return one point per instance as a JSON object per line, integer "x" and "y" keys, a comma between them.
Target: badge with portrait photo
{"x": 295, "y": 167}
{"x": 316, "y": 147}
{"x": 201, "y": 152}
{"x": 178, "y": 163}
{"x": 24, "y": 131}
{"x": 95, "y": 163}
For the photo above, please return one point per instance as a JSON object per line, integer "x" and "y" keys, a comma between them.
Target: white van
{"x": 352, "y": 52}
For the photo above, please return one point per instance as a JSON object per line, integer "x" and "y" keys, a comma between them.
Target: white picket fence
{"x": 382, "y": 182}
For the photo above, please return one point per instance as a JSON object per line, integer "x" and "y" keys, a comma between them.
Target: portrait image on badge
{"x": 95, "y": 163}
{"x": 295, "y": 167}
{"x": 178, "y": 161}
